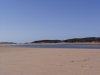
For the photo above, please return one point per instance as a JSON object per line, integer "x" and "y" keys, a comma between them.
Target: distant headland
{"x": 7, "y": 43}
{"x": 73, "y": 40}
{"x": 87, "y": 40}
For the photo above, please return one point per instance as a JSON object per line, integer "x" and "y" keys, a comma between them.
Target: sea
{"x": 82, "y": 46}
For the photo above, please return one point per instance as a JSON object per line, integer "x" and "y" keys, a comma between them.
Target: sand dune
{"x": 35, "y": 61}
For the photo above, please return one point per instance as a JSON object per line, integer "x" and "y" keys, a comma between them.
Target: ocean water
{"x": 60, "y": 46}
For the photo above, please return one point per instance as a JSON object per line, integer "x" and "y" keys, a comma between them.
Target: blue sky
{"x": 29, "y": 20}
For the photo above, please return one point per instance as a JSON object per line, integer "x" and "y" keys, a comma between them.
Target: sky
{"x": 30, "y": 20}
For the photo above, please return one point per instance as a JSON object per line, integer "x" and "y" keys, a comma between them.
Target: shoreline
{"x": 85, "y": 43}
{"x": 53, "y": 45}
{"x": 66, "y": 43}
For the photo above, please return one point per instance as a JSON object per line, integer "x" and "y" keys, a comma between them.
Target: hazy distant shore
{"x": 85, "y": 43}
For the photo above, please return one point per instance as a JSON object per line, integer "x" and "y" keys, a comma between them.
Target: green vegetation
{"x": 47, "y": 41}
{"x": 74, "y": 40}
{"x": 89, "y": 39}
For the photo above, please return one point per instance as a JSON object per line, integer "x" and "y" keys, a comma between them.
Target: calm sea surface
{"x": 60, "y": 46}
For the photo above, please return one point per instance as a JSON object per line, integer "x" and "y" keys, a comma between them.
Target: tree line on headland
{"x": 73, "y": 40}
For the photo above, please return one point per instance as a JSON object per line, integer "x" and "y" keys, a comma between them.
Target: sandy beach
{"x": 36, "y": 61}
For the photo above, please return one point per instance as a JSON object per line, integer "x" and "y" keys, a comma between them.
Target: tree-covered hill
{"x": 88, "y": 39}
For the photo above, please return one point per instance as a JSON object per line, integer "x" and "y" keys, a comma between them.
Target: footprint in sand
{"x": 83, "y": 60}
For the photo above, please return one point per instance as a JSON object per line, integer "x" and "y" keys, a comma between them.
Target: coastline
{"x": 85, "y": 43}
{"x": 63, "y": 43}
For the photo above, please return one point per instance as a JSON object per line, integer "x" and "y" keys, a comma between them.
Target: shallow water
{"x": 60, "y": 46}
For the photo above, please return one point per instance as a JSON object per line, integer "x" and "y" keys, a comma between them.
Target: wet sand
{"x": 36, "y": 61}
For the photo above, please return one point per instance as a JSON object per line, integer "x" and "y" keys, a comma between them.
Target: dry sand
{"x": 32, "y": 61}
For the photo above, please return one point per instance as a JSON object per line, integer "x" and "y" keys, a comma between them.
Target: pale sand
{"x": 31, "y": 61}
